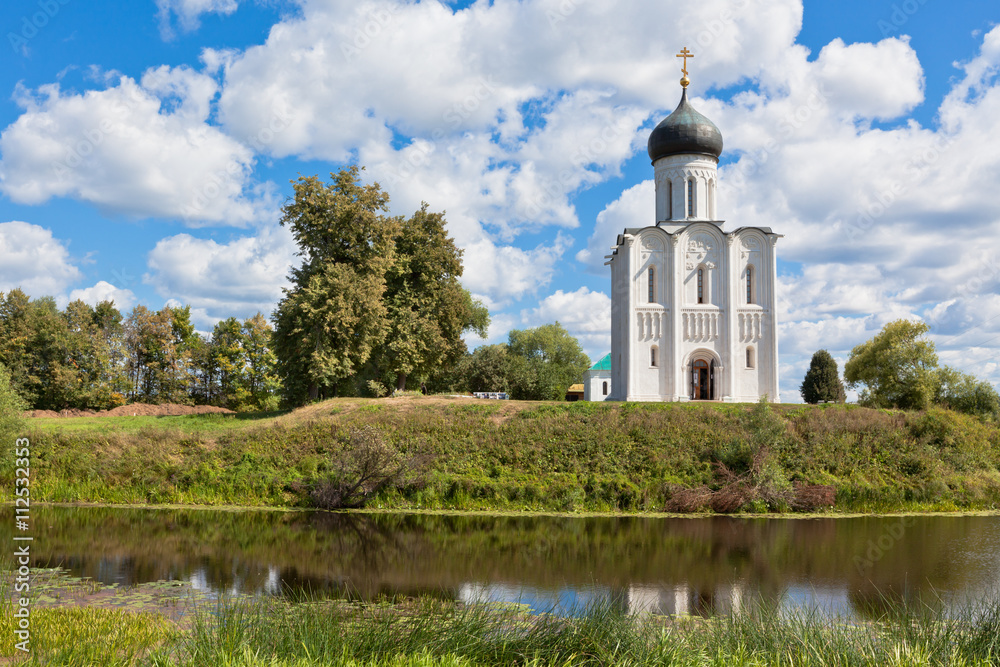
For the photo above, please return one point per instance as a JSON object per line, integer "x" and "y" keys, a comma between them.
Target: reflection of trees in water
{"x": 874, "y": 603}
{"x": 368, "y": 540}
{"x": 366, "y": 555}
{"x": 375, "y": 549}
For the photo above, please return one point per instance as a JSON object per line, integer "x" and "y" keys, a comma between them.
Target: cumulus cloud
{"x": 188, "y": 13}
{"x": 33, "y": 260}
{"x": 585, "y": 314}
{"x": 140, "y": 149}
{"x": 123, "y": 299}
{"x": 220, "y": 280}
{"x": 870, "y": 81}
{"x": 507, "y": 272}
{"x": 501, "y": 122}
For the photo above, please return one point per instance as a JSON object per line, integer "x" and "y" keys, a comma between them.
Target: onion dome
{"x": 685, "y": 131}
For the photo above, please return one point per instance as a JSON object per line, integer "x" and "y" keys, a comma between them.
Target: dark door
{"x": 701, "y": 384}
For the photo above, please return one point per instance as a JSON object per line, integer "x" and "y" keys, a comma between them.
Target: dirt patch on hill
{"x": 135, "y": 410}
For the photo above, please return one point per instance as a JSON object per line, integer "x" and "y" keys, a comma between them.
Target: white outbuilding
{"x": 693, "y": 305}
{"x": 597, "y": 380}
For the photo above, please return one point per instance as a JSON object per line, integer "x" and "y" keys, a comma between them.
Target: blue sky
{"x": 146, "y": 149}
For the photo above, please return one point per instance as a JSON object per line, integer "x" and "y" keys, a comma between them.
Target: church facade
{"x": 693, "y": 306}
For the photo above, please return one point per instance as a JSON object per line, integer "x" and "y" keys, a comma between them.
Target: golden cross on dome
{"x": 685, "y": 54}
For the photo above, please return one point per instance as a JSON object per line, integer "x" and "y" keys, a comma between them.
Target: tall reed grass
{"x": 431, "y": 632}
{"x": 280, "y": 633}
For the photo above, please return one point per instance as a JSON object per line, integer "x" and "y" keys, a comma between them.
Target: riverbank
{"x": 511, "y": 456}
{"x": 275, "y": 632}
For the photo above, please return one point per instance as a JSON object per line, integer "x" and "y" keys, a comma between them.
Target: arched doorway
{"x": 702, "y": 380}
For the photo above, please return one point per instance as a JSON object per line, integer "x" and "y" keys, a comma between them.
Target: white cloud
{"x": 138, "y": 149}
{"x": 498, "y": 113}
{"x": 586, "y": 315}
{"x": 188, "y": 13}
{"x": 507, "y": 272}
{"x": 33, "y": 260}
{"x": 123, "y": 299}
{"x": 882, "y": 80}
{"x": 220, "y": 280}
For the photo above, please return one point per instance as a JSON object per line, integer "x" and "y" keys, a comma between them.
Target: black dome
{"x": 684, "y": 131}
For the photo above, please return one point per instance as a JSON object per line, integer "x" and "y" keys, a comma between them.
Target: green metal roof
{"x": 603, "y": 365}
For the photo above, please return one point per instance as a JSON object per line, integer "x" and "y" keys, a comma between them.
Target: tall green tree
{"x": 554, "y": 358}
{"x": 12, "y": 406}
{"x": 332, "y": 318}
{"x": 108, "y": 350}
{"x": 259, "y": 384}
{"x": 228, "y": 359}
{"x": 15, "y": 337}
{"x": 822, "y": 381}
{"x": 178, "y": 369}
{"x": 56, "y": 378}
{"x": 896, "y": 368}
{"x": 375, "y": 295}
{"x": 428, "y": 309}
{"x": 205, "y": 383}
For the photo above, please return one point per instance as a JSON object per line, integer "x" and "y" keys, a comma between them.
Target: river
{"x": 860, "y": 567}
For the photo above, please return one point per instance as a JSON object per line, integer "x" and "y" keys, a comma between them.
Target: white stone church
{"x": 692, "y": 305}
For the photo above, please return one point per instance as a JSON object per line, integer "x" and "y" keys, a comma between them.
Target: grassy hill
{"x": 511, "y": 455}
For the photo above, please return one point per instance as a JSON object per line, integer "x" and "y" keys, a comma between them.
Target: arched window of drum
{"x": 749, "y": 284}
{"x": 652, "y": 357}
{"x": 651, "y": 273}
{"x": 605, "y": 389}
{"x": 670, "y": 200}
{"x": 691, "y": 198}
{"x": 701, "y": 285}
{"x": 750, "y": 359}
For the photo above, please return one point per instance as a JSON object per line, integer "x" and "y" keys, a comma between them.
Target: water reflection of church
{"x": 673, "y": 600}
{"x": 666, "y": 600}
{"x": 685, "y": 600}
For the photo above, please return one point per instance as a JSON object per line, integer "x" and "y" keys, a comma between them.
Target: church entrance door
{"x": 701, "y": 381}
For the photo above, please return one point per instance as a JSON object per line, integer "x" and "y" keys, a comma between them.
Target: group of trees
{"x": 88, "y": 357}
{"x": 375, "y": 304}
{"x": 899, "y": 368}
{"x": 534, "y": 364}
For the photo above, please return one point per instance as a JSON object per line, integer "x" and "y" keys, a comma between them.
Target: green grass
{"x": 86, "y": 636}
{"x": 524, "y": 456}
{"x": 207, "y": 424}
{"x": 276, "y": 632}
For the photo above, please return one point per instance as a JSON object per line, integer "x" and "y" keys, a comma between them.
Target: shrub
{"x": 377, "y": 389}
{"x": 366, "y": 466}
